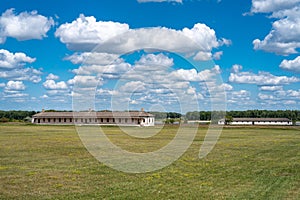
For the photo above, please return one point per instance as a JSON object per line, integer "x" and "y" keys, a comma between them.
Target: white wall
{"x": 221, "y": 122}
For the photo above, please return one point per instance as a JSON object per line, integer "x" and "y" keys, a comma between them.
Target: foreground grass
{"x": 50, "y": 162}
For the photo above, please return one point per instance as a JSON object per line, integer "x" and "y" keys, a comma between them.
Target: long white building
{"x": 258, "y": 121}
{"x": 136, "y": 118}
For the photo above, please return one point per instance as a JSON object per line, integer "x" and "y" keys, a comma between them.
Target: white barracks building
{"x": 131, "y": 118}
{"x": 258, "y": 121}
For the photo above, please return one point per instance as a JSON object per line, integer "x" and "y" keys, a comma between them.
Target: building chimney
{"x": 142, "y": 110}
{"x": 43, "y": 110}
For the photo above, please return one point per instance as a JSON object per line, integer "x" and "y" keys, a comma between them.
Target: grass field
{"x": 50, "y": 162}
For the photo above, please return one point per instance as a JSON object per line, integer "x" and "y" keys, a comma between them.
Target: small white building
{"x": 136, "y": 118}
{"x": 258, "y": 121}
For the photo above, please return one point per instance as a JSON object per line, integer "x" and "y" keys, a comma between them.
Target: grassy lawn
{"x": 50, "y": 162}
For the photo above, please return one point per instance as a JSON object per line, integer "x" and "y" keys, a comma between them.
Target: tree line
{"x": 13, "y": 115}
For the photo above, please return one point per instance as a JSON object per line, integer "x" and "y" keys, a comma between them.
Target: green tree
{"x": 228, "y": 119}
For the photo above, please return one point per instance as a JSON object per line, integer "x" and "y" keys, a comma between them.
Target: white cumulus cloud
{"x": 152, "y": 62}
{"x": 284, "y": 37}
{"x": 22, "y": 74}
{"x": 93, "y": 58}
{"x": 15, "y": 86}
{"x": 291, "y": 65}
{"x": 270, "y": 88}
{"x": 52, "y": 77}
{"x": 262, "y": 78}
{"x": 266, "y": 6}
{"x": 24, "y": 26}
{"x": 52, "y": 85}
{"x": 10, "y": 60}
{"x": 85, "y": 33}
{"x": 85, "y": 81}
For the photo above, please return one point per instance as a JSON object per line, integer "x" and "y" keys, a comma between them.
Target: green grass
{"x": 50, "y": 162}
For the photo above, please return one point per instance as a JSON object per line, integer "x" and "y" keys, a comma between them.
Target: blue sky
{"x": 167, "y": 55}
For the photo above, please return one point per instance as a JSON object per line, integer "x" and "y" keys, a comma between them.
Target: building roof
{"x": 93, "y": 114}
{"x": 262, "y": 119}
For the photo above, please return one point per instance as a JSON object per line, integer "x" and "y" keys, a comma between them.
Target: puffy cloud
{"x": 15, "y": 86}
{"x": 52, "y": 77}
{"x": 2, "y": 85}
{"x": 240, "y": 95}
{"x": 193, "y": 75}
{"x": 204, "y": 56}
{"x": 93, "y": 58}
{"x": 104, "y": 92}
{"x": 290, "y": 102}
{"x": 280, "y": 97}
{"x": 86, "y": 33}
{"x": 266, "y": 97}
{"x": 262, "y": 78}
{"x": 117, "y": 68}
{"x": 266, "y": 6}
{"x": 17, "y": 95}
{"x": 203, "y": 36}
{"x": 289, "y": 93}
{"x": 10, "y": 60}
{"x": 284, "y": 37}
{"x": 217, "y": 55}
{"x": 159, "y": 1}
{"x": 25, "y": 26}
{"x": 52, "y": 85}
{"x": 226, "y": 87}
{"x": 23, "y": 74}
{"x": 44, "y": 96}
{"x": 270, "y": 88}
{"x": 236, "y": 68}
{"x": 11, "y": 67}
{"x": 133, "y": 87}
{"x": 159, "y": 60}
{"x": 85, "y": 81}
{"x": 291, "y": 65}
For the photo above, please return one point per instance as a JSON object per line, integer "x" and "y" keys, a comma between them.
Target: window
{"x": 113, "y": 120}
{"x": 102, "y": 120}
{"x": 85, "y": 120}
{"x": 75, "y": 120}
{"x": 71, "y": 120}
{"x": 39, "y": 121}
{"x": 48, "y": 119}
{"x": 107, "y": 120}
{"x": 90, "y": 120}
{"x": 125, "y": 120}
{"x": 81, "y": 120}
{"x": 59, "y": 120}
{"x": 54, "y": 120}
{"x": 65, "y": 120}
{"x": 119, "y": 120}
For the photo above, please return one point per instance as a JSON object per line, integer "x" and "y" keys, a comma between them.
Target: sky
{"x": 161, "y": 55}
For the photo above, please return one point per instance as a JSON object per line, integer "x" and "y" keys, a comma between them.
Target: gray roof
{"x": 93, "y": 114}
{"x": 262, "y": 119}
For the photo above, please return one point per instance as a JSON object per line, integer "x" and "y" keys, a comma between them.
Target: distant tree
{"x": 4, "y": 119}
{"x": 27, "y": 119}
{"x": 228, "y": 119}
